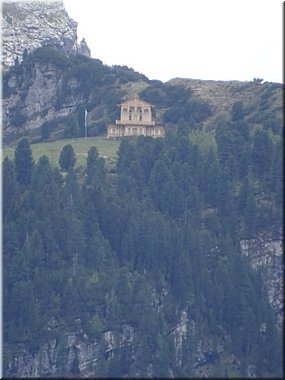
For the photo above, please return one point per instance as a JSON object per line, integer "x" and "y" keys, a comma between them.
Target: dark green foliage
{"x": 277, "y": 180}
{"x": 250, "y": 215}
{"x": 244, "y": 193}
{"x": 237, "y": 112}
{"x": 102, "y": 252}
{"x": 211, "y": 179}
{"x": 178, "y": 99}
{"x": 18, "y": 119}
{"x": 67, "y": 158}
{"x": 95, "y": 168}
{"x": 194, "y": 111}
{"x": 261, "y": 154}
{"x": 45, "y": 131}
{"x": 71, "y": 129}
{"x": 48, "y": 128}
{"x": 230, "y": 145}
{"x": 24, "y": 162}
{"x": 127, "y": 74}
{"x": 163, "y": 94}
{"x": 11, "y": 191}
{"x": 48, "y": 55}
{"x": 126, "y": 155}
{"x": 273, "y": 123}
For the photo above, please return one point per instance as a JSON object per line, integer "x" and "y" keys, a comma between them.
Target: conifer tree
{"x": 250, "y": 215}
{"x": 261, "y": 154}
{"x": 11, "y": 195}
{"x": 67, "y": 158}
{"x": 95, "y": 167}
{"x": 24, "y": 162}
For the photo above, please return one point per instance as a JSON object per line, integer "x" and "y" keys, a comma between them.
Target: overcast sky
{"x": 199, "y": 39}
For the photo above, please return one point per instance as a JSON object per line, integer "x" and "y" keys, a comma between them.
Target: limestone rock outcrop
{"x": 265, "y": 253}
{"x": 83, "y": 48}
{"x": 33, "y": 96}
{"x": 33, "y": 24}
{"x": 76, "y": 354}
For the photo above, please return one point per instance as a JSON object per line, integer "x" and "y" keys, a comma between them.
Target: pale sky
{"x": 199, "y": 39}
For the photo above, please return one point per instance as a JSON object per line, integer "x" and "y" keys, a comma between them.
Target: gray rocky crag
{"x": 76, "y": 354}
{"x": 265, "y": 253}
{"x": 33, "y": 24}
{"x": 83, "y": 48}
{"x": 34, "y": 96}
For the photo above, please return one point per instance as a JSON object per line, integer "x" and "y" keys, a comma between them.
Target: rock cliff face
{"x": 75, "y": 354}
{"x": 32, "y": 98}
{"x": 33, "y": 24}
{"x": 71, "y": 355}
{"x": 266, "y": 255}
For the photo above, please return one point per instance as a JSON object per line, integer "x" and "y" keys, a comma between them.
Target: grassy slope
{"x": 107, "y": 149}
{"x": 221, "y": 95}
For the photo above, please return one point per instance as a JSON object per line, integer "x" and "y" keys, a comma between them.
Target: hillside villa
{"x": 137, "y": 118}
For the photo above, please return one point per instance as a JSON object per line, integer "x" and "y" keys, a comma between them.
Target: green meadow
{"x": 106, "y": 148}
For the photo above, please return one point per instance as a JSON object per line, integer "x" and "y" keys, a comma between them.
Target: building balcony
{"x": 135, "y": 122}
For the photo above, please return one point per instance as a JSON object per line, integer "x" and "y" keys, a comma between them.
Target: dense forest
{"x": 90, "y": 250}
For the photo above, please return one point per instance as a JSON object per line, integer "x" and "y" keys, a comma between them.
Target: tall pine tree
{"x": 24, "y": 162}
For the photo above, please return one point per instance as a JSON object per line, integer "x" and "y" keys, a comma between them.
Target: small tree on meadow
{"x": 67, "y": 158}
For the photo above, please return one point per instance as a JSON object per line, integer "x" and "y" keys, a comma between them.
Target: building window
{"x": 130, "y": 117}
{"x": 141, "y": 130}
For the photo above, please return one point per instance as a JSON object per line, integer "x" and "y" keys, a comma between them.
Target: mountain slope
{"x": 167, "y": 265}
